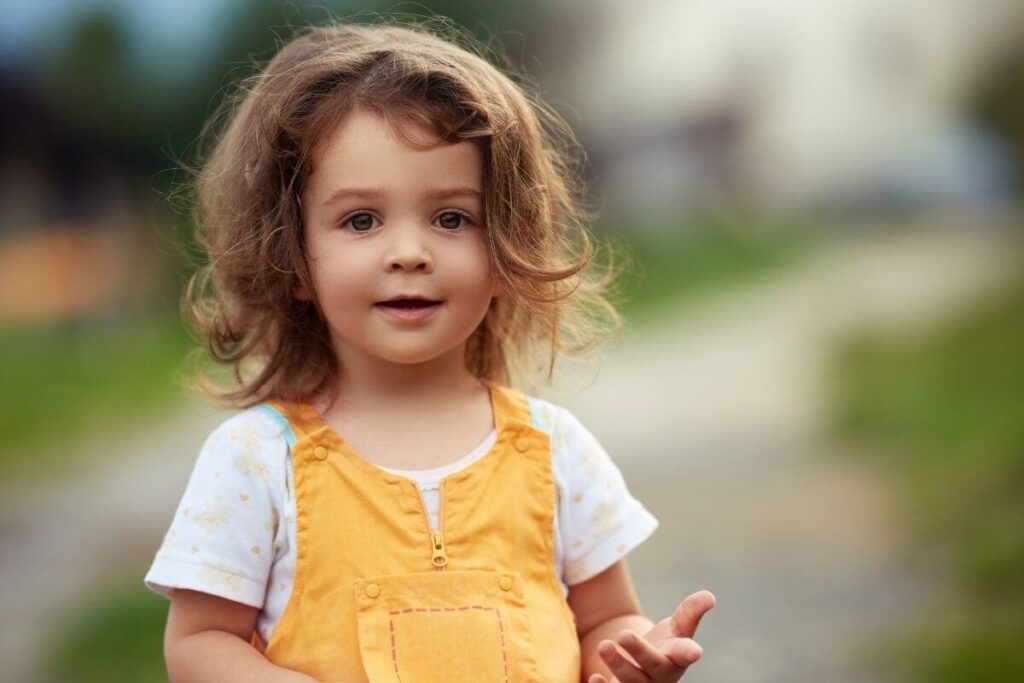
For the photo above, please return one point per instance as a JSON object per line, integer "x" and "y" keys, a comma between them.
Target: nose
{"x": 409, "y": 251}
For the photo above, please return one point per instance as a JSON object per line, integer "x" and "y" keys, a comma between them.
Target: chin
{"x": 411, "y": 356}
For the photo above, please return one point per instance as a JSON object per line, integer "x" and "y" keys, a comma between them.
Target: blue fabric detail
{"x": 282, "y": 422}
{"x": 534, "y": 413}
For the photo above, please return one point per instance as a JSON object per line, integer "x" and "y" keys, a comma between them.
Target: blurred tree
{"x": 98, "y": 91}
{"x": 90, "y": 71}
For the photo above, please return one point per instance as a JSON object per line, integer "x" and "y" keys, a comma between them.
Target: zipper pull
{"x": 438, "y": 556}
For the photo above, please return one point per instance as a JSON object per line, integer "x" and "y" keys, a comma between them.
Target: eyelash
{"x": 467, "y": 220}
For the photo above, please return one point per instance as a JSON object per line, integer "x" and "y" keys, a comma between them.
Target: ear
{"x": 497, "y": 289}
{"x": 302, "y": 294}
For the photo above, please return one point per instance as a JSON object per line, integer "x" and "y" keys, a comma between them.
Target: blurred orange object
{"x": 61, "y": 272}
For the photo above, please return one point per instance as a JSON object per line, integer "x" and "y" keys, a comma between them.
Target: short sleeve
{"x": 600, "y": 522}
{"x": 222, "y": 535}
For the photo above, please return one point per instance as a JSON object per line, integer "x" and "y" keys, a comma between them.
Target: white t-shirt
{"x": 234, "y": 531}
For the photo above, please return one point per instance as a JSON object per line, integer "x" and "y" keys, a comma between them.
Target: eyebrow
{"x": 375, "y": 193}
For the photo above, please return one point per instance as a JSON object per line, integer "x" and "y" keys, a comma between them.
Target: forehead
{"x": 363, "y": 150}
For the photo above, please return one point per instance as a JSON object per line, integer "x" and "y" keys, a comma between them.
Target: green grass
{"x": 943, "y": 413}
{"x": 62, "y": 382}
{"x": 116, "y": 636}
{"x": 689, "y": 263}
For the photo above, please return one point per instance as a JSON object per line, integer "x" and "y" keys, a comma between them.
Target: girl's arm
{"x": 615, "y": 636}
{"x": 604, "y": 605}
{"x": 208, "y": 639}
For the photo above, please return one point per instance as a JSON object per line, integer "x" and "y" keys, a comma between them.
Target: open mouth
{"x": 408, "y": 304}
{"x": 409, "y": 309}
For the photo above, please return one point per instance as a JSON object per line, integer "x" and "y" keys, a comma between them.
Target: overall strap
{"x": 511, "y": 408}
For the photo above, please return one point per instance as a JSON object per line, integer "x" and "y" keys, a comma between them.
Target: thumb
{"x": 687, "y": 616}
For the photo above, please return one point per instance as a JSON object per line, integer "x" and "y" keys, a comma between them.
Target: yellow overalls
{"x": 378, "y": 596}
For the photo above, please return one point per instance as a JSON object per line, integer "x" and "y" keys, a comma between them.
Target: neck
{"x": 366, "y": 383}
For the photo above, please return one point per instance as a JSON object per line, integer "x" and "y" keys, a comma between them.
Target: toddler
{"x": 395, "y": 233}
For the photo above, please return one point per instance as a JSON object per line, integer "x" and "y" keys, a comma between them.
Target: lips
{"x": 408, "y": 302}
{"x": 409, "y": 310}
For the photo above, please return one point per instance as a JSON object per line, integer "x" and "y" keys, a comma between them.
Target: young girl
{"x": 391, "y": 225}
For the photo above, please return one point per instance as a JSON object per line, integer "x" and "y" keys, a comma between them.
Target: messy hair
{"x": 243, "y": 301}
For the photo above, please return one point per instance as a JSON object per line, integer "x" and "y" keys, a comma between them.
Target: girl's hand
{"x": 664, "y": 653}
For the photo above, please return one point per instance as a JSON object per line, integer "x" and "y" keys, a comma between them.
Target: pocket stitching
{"x": 497, "y": 613}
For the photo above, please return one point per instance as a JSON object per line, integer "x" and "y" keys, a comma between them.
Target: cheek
{"x": 338, "y": 279}
{"x": 344, "y": 283}
{"x": 478, "y": 258}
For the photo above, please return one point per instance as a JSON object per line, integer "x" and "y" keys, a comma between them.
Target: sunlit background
{"x": 819, "y": 391}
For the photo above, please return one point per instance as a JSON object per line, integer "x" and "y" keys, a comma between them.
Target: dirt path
{"x": 717, "y": 423}
{"x": 715, "y": 420}
{"x": 59, "y": 541}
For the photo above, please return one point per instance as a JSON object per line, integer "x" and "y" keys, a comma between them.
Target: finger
{"x": 597, "y": 678}
{"x": 683, "y": 652}
{"x": 625, "y": 670}
{"x": 655, "y": 663}
{"x": 687, "y": 616}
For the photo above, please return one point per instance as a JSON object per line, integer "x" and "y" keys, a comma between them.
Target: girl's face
{"x": 395, "y": 243}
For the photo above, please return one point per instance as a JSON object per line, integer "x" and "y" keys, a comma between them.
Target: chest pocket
{"x": 459, "y": 626}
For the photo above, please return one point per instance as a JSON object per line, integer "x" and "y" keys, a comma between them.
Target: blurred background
{"x": 819, "y": 391}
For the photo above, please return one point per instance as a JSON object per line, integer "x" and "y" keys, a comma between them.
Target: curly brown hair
{"x": 248, "y": 213}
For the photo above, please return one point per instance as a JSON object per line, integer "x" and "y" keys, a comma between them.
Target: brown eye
{"x": 450, "y": 220}
{"x": 361, "y": 222}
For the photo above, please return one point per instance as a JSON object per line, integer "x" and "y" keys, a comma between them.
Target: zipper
{"x": 438, "y": 556}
